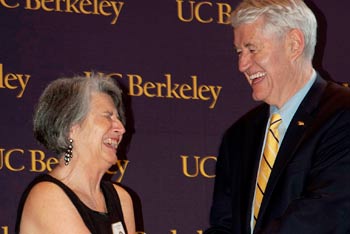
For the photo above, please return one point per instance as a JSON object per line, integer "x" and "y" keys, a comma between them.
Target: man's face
{"x": 263, "y": 58}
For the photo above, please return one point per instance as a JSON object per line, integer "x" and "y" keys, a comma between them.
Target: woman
{"x": 81, "y": 119}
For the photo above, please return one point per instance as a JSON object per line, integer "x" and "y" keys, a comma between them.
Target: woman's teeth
{"x": 113, "y": 142}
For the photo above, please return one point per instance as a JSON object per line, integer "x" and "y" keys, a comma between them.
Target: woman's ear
{"x": 296, "y": 43}
{"x": 73, "y": 131}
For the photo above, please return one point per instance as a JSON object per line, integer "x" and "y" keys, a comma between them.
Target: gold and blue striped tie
{"x": 267, "y": 161}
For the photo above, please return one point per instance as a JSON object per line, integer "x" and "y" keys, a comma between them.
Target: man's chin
{"x": 257, "y": 96}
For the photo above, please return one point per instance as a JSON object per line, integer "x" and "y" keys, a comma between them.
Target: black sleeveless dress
{"x": 96, "y": 222}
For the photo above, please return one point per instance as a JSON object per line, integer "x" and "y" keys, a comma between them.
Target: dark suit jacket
{"x": 309, "y": 187}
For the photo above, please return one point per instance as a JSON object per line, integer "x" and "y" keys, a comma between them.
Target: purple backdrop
{"x": 175, "y": 61}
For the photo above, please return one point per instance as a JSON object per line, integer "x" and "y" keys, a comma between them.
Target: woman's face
{"x": 98, "y": 136}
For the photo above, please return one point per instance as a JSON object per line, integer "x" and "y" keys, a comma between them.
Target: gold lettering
{"x": 102, "y": 5}
{"x": 174, "y": 231}
{"x": 159, "y": 89}
{"x": 5, "y": 229}
{"x": 194, "y": 83}
{"x": 58, "y": 6}
{"x": 117, "y": 9}
{"x": 116, "y": 75}
{"x": 215, "y": 94}
{"x": 168, "y": 89}
{"x": 71, "y": 7}
{"x": 8, "y": 78}
{"x": 13, "y": 81}
{"x": 36, "y": 160}
{"x": 174, "y": 90}
{"x": 133, "y": 85}
{"x": 110, "y": 75}
{"x": 86, "y": 7}
{"x": 203, "y": 89}
{"x": 30, "y": 7}
{"x": 38, "y": 163}
{"x": 44, "y": 7}
{"x": 95, "y": 11}
{"x": 23, "y": 81}
{"x": 83, "y": 5}
{"x": 121, "y": 167}
{"x": 185, "y": 167}
{"x": 224, "y": 15}
{"x": 1, "y": 158}
{"x": 1, "y": 76}
{"x": 51, "y": 162}
{"x": 195, "y": 12}
{"x": 5, "y": 4}
{"x": 202, "y": 166}
{"x": 199, "y": 165}
{"x": 7, "y": 158}
{"x": 180, "y": 11}
{"x": 147, "y": 86}
{"x": 184, "y": 88}
{"x": 198, "y": 17}
{"x": 171, "y": 90}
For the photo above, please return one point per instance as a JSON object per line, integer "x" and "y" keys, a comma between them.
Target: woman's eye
{"x": 108, "y": 115}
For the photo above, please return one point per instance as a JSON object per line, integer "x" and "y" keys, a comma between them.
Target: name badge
{"x": 118, "y": 228}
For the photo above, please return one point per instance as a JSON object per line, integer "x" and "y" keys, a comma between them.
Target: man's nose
{"x": 244, "y": 62}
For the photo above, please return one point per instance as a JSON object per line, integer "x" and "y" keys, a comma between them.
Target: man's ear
{"x": 295, "y": 43}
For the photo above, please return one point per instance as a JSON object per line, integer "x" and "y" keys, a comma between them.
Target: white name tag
{"x": 118, "y": 228}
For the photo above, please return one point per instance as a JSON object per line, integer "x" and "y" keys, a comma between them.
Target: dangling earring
{"x": 68, "y": 155}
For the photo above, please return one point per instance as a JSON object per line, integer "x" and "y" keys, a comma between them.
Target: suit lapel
{"x": 294, "y": 137}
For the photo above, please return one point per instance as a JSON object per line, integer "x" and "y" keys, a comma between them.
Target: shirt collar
{"x": 288, "y": 110}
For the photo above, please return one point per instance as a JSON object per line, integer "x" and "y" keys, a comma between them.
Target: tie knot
{"x": 275, "y": 120}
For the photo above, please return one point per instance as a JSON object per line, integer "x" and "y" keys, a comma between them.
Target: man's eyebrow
{"x": 249, "y": 44}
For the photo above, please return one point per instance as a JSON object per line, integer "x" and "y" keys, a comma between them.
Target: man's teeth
{"x": 112, "y": 142}
{"x": 257, "y": 75}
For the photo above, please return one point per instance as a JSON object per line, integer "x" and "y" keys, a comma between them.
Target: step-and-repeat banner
{"x": 176, "y": 63}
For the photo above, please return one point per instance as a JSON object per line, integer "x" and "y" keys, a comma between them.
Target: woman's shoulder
{"x": 45, "y": 202}
{"x": 46, "y": 197}
{"x": 44, "y": 190}
{"x": 123, "y": 194}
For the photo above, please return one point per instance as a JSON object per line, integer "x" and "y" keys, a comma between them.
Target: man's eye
{"x": 252, "y": 50}
{"x": 239, "y": 52}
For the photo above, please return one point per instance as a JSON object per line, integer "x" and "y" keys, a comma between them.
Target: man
{"x": 289, "y": 174}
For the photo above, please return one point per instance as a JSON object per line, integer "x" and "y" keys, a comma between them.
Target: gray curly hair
{"x": 65, "y": 102}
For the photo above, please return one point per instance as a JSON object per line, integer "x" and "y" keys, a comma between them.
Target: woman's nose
{"x": 118, "y": 126}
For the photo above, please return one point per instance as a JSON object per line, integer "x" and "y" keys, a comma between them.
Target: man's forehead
{"x": 247, "y": 39}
